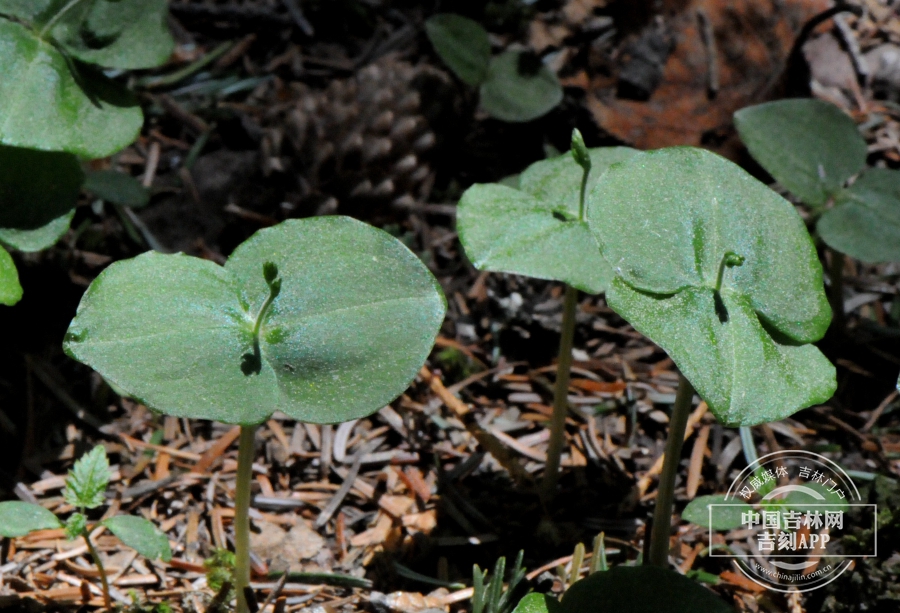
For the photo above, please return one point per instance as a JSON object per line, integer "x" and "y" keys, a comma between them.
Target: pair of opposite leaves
{"x": 353, "y": 320}
{"x": 813, "y": 148}
{"x": 656, "y": 229}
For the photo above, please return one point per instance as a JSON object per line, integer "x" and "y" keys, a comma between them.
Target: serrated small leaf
{"x": 462, "y": 44}
{"x": 811, "y": 497}
{"x": 19, "y": 518}
{"x": 865, "y": 221}
{"x": 88, "y": 479}
{"x": 538, "y": 603}
{"x": 669, "y": 217}
{"x": 140, "y": 535}
{"x": 48, "y": 107}
{"x": 117, "y": 188}
{"x": 534, "y": 230}
{"x": 10, "y": 289}
{"x": 356, "y": 317}
{"x": 640, "y": 589}
{"x": 809, "y": 146}
{"x": 699, "y": 511}
{"x": 515, "y": 93}
{"x": 38, "y": 193}
{"x": 76, "y": 525}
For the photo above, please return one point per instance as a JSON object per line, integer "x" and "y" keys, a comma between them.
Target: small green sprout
{"x": 490, "y": 596}
{"x": 514, "y": 86}
{"x": 326, "y": 319}
{"x": 85, "y": 489}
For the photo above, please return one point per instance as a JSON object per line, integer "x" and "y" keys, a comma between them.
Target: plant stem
{"x": 107, "y": 602}
{"x": 560, "y": 395}
{"x": 246, "y": 449}
{"x": 584, "y": 180}
{"x": 662, "y": 515}
{"x": 836, "y": 270}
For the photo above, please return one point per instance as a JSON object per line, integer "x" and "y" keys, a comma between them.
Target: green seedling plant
{"x": 514, "y": 86}
{"x": 85, "y": 489}
{"x": 815, "y": 151}
{"x": 540, "y": 229}
{"x": 58, "y": 106}
{"x": 491, "y": 596}
{"x": 324, "y": 319}
{"x": 720, "y": 272}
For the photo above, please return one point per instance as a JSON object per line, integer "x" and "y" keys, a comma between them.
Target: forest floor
{"x": 248, "y": 125}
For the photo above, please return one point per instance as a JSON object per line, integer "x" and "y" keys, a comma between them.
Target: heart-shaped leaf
{"x": 463, "y": 45}
{"x": 676, "y": 223}
{"x": 19, "y": 518}
{"x": 865, "y": 221}
{"x": 117, "y": 187}
{"x": 640, "y": 589}
{"x": 809, "y": 146}
{"x": 140, "y": 535}
{"x": 38, "y": 192}
{"x": 355, "y": 318}
{"x": 48, "y": 106}
{"x": 534, "y": 230}
{"x": 699, "y": 511}
{"x": 10, "y": 290}
{"x": 518, "y": 87}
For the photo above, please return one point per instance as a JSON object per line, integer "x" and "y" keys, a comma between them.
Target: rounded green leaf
{"x": 538, "y": 603}
{"x": 140, "y": 535}
{"x": 811, "y": 147}
{"x": 463, "y": 45}
{"x": 19, "y": 518}
{"x": 534, "y": 230}
{"x": 664, "y": 221}
{"x": 640, "y": 589}
{"x": 38, "y": 192}
{"x": 865, "y": 221}
{"x": 46, "y": 106}
{"x": 126, "y": 34}
{"x": 355, "y": 318}
{"x": 699, "y": 512}
{"x": 117, "y": 187}
{"x": 516, "y": 91}
{"x": 10, "y": 290}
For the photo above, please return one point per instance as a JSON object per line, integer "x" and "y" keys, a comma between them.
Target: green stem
{"x": 49, "y": 25}
{"x": 836, "y": 270}
{"x": 107, "y": 602}
{"x": 262, "y": 313}
{"x": 246, "y": 449}
{"x": 560, "y": 395}
{"x": 584, "y": 180}
{"x": 665, "y": 497}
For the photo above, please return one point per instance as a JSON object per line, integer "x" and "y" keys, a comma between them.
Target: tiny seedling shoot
{"x": 720, "y": 272}
{"x": 85, "y": 489}
{"x": 814, "y": 149}
{"x": 541, "y": 230}
{"x": 514, "y": 86}
{"x": 324, "y": 319}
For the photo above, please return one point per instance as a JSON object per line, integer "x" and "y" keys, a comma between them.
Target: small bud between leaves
{"x": 75, "y": 526}
{"x": 732, "y": 259}
{"x": 579, "y": 151}
{"x": 270, "y": 272}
